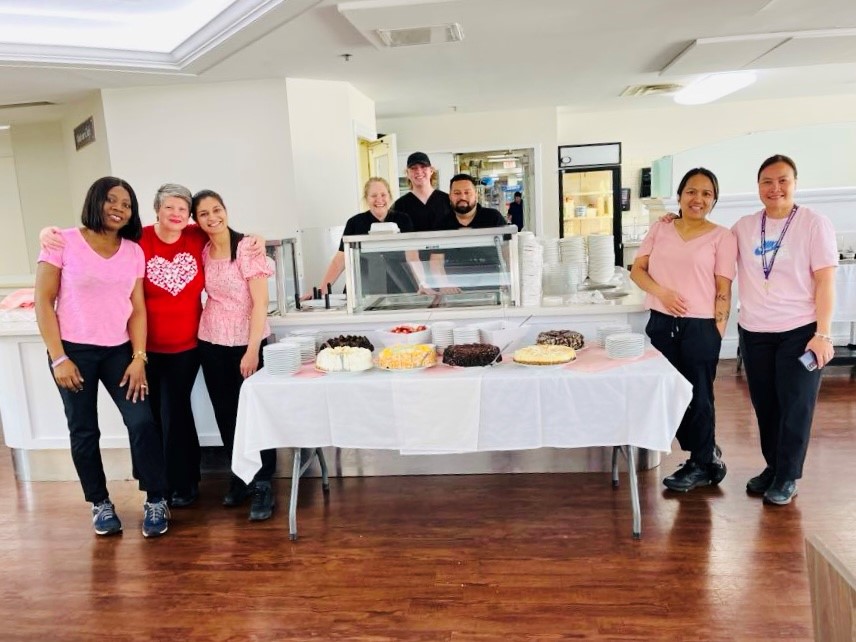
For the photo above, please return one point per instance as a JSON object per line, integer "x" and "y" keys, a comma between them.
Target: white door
{"x": 383, "y": 153}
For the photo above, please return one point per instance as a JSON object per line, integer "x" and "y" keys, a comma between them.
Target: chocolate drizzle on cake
{"x": 568, "y": 338}
{"x": 471, "y": 355}
{"x": 348, "y": 340}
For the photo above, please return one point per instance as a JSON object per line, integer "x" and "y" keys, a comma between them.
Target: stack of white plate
{"x": 441, "y": 334}
{"x": 601, "y": 257}
{"x": 465, "y": 334}
{"x": 306, "y": 345}
{"x": 531, "y": 268}
{"x": 605, "y": 331}
{"x": 281, "y": 359}
{"x": 554, "y": 279}
{"x": 552, "y": 253}
{"x": 573, "y": 251}
{"x": 627, "y": 345}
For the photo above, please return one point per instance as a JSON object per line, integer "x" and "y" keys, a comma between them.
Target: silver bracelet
{"x": 825, "y": 337}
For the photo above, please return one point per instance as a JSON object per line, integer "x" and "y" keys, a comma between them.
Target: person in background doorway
{"x": 787, "y": 257}
{"x": 686, "y": 267}
{"x": 91, "y": 313}
{"x": 515, "y": 211}
{"x": 232, "y": 332}
{"x": 423, "y": 204}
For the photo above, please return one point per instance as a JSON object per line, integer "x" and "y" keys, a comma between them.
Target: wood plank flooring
{"x": 463, "y": 558}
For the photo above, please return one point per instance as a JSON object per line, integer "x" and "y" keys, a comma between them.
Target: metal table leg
{"x": 292, "y": 502}
{"x": 629, "y": 453}
{"x": 325, "y": 480}
{"x": 615, "y": 450}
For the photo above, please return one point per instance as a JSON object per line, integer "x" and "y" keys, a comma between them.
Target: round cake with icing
{"x": 351, "y": 340}
{"x": 407, "y": 357}
{"x": 468, "y": 355}
{"x": 569, "y": 338}
{"x": 544, "y": 355}
{"x": 344, "y": 359}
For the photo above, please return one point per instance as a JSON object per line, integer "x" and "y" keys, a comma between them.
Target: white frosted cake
{"x": 344, "y": 359}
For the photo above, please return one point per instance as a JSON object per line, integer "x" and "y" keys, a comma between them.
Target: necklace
{"x": 765, "y": 265}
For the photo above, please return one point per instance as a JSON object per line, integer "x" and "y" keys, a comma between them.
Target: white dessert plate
{"x": 341, "y": 372}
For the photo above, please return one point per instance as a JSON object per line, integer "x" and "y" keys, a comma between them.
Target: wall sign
{"x": 84, "y": 133}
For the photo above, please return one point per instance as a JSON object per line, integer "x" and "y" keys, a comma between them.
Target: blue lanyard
{"x": 768, "y": 267}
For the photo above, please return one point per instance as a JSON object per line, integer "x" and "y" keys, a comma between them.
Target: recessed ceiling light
{"x": 714, "y": 87}
{"x": 433, "y": 35}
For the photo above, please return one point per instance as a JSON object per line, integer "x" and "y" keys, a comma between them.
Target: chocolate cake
{"x": 568, "y": 338}
{"x": 471, "y": 354}
{"x": 348, "y": 340}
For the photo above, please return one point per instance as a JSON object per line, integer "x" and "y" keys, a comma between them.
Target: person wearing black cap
{"x": 422, "y": 203}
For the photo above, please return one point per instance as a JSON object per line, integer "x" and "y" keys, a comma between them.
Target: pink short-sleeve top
{"x": 689, "y": 267}
{"x": 226, "y": 317}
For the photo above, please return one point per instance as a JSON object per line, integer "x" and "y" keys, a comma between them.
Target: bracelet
{"x": 825, "y": 337}
{"x": 58, "y": 361}
{"x": 140, "y": 354}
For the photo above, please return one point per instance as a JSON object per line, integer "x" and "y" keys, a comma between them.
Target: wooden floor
{"x": 471, "y": 558}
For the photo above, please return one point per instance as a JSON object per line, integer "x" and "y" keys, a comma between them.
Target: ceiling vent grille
{"x": 411, "y": 37}
{"x": 635, "y": 91}
{"x": 41, "y": 103}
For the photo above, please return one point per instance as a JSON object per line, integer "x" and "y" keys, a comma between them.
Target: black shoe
{"x": 238, "y": 492}
{"x": 689, "y": 476}
{"x": 759, "y": 484}
{"x": 263, "y": 502}
{"x": 781, "y": 492}
{"x": 182, "y": 499}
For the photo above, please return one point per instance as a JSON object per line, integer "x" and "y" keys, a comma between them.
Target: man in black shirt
{"x": 465, "y": 209}
{"x": 423, "y": 203}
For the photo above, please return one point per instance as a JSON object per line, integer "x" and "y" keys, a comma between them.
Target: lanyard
{"x": 768, "y": 267}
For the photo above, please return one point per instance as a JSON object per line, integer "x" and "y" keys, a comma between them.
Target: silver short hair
{"x": 172, "y": 189}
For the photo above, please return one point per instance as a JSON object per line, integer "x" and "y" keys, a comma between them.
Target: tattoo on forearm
{"x": 721, "y": 297}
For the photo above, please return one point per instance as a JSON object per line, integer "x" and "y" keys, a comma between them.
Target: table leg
{"x": 615, "y": 450}
{"x": 634, "y": 492}
{"x": 292, "y": 502}
{"x": 325, "y": 479}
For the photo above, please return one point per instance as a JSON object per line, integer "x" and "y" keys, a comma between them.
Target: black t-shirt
{"x": 422, "y": 214}
{"x": 384, "y": 272}
{"x": 485, "y": 217}
{"x": 362, "y": 224}
{"x": 471, "y": 260}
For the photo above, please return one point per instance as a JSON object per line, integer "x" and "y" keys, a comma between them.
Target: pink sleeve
{"x": 648, "y": 242}
{"x": 54, "y": 257}
{"x": 252, "y": 267}
{"x": 824, "y": 247}
{"x": 140, "y": 258}
{"x": 726, "y": 255}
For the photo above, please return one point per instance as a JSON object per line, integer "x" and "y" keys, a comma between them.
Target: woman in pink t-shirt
{"x": 91, "y": 314}
{"x": 687, "y": 267}
{"x": 232, "y": 332}
{"x": 786, "y": 270}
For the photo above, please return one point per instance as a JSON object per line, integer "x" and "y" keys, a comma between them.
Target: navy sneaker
{"x": 263, "y": 501}
{"x": 155, "y": 518}
{"x": 781, "y": 492}
{"x": 104, "y": 518}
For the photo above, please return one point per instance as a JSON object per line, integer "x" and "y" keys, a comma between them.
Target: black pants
{"x": 171, "y": 377}
{"x": 222, "y": 372}
{"x": 107, "y": 365}
{"x": 783, "y": 394}
{"x": 692, "y": 346}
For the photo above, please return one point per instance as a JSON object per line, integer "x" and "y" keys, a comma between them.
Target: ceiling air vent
{"x": 41, "y": 103}
{"x": 410, "y": 37}
{"x": 650, "y": 90}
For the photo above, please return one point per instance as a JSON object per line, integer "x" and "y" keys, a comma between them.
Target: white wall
{"x": 233, "y": 138}
{"x": 464, "y": 132}
{"x": 89, "y": 163}
{"x": 13, "y": 249}
{"x": 42, "y": 174}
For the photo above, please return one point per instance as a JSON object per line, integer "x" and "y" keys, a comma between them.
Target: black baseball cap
{"x": 418, "y": 158}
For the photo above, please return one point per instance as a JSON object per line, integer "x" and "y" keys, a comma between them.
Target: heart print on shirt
{"x": 173, "y": 275}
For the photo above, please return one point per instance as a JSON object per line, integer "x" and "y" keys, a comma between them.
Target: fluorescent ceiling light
{"x": 715, "y": 86}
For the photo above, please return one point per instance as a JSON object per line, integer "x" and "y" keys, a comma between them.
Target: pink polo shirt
{"x": 94, "y": 300}
{"x": 787, "y": 300}
{"x": 689, "y": 267}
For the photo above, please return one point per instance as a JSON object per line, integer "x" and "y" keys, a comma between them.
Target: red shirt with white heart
{"x": 173, "y": 288}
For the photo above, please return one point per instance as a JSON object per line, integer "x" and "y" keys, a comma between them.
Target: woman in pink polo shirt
{"x": 91, "y": 314}
{"x": 786, "y": 267}
{"x": 232, "y": 332}
{"x": 687, "y": 267}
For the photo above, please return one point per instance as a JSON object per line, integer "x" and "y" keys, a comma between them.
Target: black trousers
{"x": 171, "y": 377}
{"x": 107, "y": 365}
{"x": 692, "y": 346}
{"x": 783, "y": 394}
{"x": 222, "y": 372}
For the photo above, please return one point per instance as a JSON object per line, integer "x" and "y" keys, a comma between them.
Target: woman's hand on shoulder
{"x": 51, "y": 239}
{"x": 668, "y": 217}
{"x": 255, "y": 245}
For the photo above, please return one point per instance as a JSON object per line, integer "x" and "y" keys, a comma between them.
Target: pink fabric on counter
{"x": 18, "y": 299}
{"x": 594, "y": 359}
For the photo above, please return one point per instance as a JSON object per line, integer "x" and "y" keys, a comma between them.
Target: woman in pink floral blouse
{"x": 232, "y": 332}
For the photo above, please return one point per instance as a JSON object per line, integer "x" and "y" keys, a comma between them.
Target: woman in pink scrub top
{"x": 786, "y": 271}
{"x": 686, "y": 267}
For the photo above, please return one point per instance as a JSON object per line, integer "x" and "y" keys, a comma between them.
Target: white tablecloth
{"x": 845, "y": 293}
{"x": 443, "y": 410}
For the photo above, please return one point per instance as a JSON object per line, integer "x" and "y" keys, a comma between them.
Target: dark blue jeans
{"x": 107, "y": 365}
{"x": 783, "y": 394}
{"x": 171, "y": 377}
{"x": 692, "y": 346}
{"x": 222, "y": 372}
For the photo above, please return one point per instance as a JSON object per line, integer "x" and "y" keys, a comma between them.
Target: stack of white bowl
{"x": 628, "y": 345}
{"x": 306, "y": 345}
{"x": 531, "y": 268}
{"x": 441, "y": 334}
{"x": 601, "y": 257}
{"x": 281, "y": 359}
{"x": 608, "y": 330}
{"x": 465, "y": 334}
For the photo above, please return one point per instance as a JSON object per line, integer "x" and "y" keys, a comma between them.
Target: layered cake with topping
{"x": 568, "y": 338}
{"x": 470, "y": 355}
{"x": 407, "y": 357}
{"x": 544, "y": 355}
{"x": 349, "y": 340}
{"x": 344, "y": 359}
